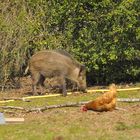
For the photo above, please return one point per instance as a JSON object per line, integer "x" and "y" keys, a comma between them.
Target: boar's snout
{"x": 82, "y": 86}
{"x": 83, "y": 89}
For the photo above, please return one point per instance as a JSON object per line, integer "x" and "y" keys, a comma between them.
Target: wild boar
{"x": 49, "y": 63}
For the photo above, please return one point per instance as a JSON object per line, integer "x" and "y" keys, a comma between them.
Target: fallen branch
{"x": 41, "y": 109}
{"x": 128, "y": 99}
{"x": 104, "y": 90}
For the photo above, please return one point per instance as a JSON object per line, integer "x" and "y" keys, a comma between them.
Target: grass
{"x": 122, "y": 126}
{"x": 72, "y": 124}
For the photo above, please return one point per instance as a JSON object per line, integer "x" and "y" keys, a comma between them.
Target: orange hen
{"x": 106, "y": 102}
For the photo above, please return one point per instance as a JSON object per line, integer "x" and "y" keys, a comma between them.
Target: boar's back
{"x": 52, "y": 63}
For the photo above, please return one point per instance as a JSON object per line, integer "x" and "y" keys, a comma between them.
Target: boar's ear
{"x": 82, "y": 68}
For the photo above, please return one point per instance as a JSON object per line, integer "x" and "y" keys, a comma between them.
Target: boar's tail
{"x": 26, "y": 70}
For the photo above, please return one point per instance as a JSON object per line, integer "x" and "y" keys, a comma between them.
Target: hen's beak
{"x": 83, "y": 108}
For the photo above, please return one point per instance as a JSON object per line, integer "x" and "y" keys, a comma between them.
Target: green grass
{"x": 129, "y": 94}
{"x": 72, "y": 124}
{"x": 122, "y": 126}
{"x": 53, "y": 100}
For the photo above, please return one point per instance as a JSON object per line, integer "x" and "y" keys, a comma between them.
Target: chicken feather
{"x": 106, "y": 102}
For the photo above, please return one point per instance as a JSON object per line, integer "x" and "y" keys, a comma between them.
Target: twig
{"x": 13, "y": 107}
{"x": 12, "y": 98}
{"x": 118, "y": 108}
{"x": 10, "y": 112}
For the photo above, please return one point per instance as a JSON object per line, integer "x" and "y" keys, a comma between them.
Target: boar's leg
{"x": 35, "y": 80}
{"x": 41, "y": 84}
{"x": 63, "y": 85}
{"x": 64, "y": 89}
{"x": 34, "y": 88}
